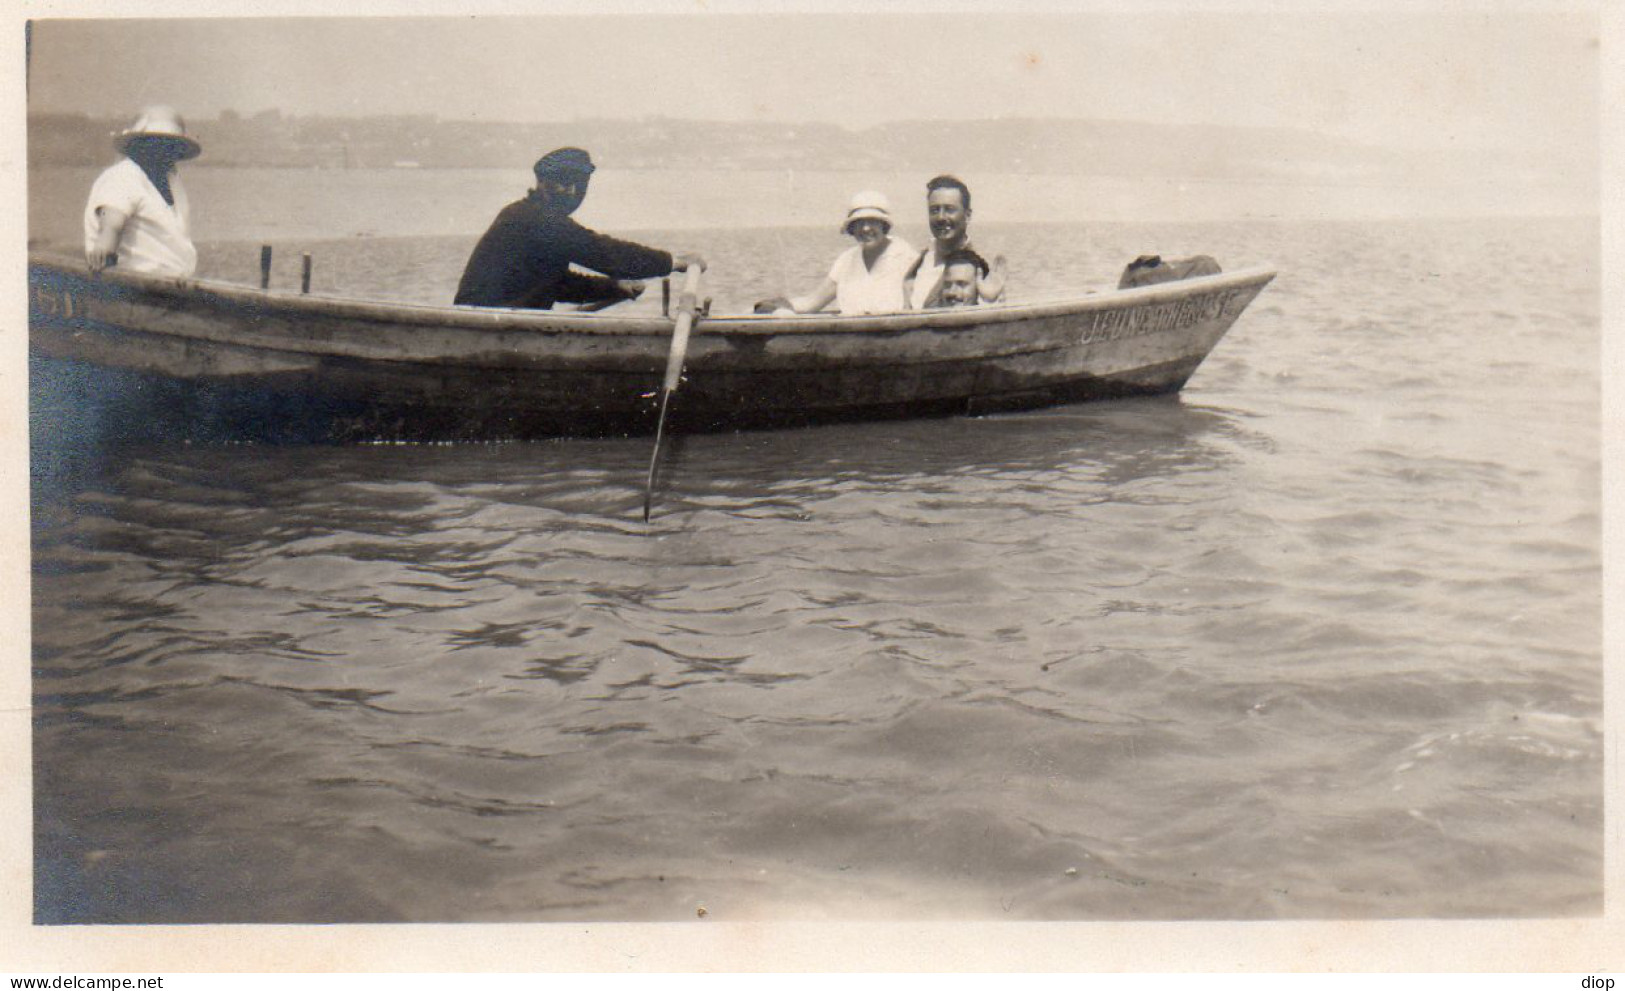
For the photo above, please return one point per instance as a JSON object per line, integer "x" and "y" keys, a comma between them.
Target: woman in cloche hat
{"x": 138, "y": 217}
{"x": 867, "y": 277}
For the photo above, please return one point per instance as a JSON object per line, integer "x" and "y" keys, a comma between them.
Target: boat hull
{"x": 237, "y": 362}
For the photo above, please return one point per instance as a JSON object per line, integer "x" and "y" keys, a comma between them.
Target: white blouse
{"x": 157, "y": 237}
{"x": 861, "y": 289}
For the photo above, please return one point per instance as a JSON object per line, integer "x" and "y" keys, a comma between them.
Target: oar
{"x": 687, "y": 304}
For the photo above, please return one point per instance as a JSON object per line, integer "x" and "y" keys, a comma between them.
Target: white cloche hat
{"x": 158, "y": 122}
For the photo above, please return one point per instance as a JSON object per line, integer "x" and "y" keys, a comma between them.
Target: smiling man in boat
{"x": 524, "y": 258}
{"x": 962, "y": 274}
{"x": 138, "y": 216}
{"x": 947, "y": 205}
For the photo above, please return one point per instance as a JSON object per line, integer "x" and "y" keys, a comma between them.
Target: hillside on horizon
{"x": 1007, "y": 145}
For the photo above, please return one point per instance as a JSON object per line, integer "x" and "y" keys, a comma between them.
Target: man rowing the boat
{"x": 962, "y": 274}
{"x": 138, "y": 216}
{"x": 524, "y": 258}
{"x": 947, "y": 204}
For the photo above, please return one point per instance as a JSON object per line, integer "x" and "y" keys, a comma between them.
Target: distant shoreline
{"x": 1103, "y": 149}
{"x": 278, "y": 204}
{"x": 1298, "y": 182}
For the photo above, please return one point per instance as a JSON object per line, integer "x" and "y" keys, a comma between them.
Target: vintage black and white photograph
{"x": 1140, "y": 463}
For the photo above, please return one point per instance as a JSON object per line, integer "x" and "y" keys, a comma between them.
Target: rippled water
{"x": 1318, "y": 638}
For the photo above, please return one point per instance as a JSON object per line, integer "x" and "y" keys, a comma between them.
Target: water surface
{"x": 1317, "y": 639}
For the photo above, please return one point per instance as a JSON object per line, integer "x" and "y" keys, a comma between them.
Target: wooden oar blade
{"x": 687, "y": 305}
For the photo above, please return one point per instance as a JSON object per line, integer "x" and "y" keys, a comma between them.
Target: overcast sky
{"x": 1493, "y": 77}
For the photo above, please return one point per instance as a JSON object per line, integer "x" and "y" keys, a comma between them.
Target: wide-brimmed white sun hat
{"x": 867, "y": 204}
{"x": 158, "y": 122}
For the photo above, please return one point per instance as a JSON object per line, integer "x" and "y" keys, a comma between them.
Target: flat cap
{"x": 564, "y": 162}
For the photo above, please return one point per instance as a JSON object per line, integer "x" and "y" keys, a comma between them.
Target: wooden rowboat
{"x": 235, "y": 361}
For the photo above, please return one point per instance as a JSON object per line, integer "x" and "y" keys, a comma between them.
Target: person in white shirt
{"x": 138, "y": 217}
{"x": 867, "y": 277}
{"x": 947, "y": 205}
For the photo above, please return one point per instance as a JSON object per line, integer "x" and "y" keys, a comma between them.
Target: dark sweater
{"x": 524, "y": 261}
